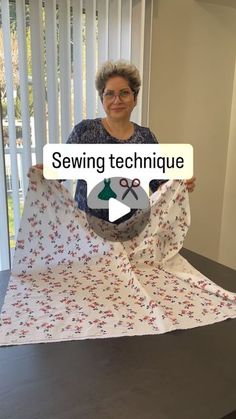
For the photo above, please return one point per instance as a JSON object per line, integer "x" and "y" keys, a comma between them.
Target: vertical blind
{"x": 48, "y": 81}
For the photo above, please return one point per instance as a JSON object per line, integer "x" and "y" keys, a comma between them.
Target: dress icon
{"x": 107, "y": 192}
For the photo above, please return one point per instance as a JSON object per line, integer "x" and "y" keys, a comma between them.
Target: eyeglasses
{"x": 124, "y": 95}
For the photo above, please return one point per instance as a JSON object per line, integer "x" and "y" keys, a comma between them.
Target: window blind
{"x": 48, "y": 82}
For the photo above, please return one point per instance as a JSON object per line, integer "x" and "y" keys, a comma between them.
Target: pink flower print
{"x": 73, "y": 254}
{"x": 47, "y": 326}
{"x": 57, "y": 285}
{"x": 31, "y": 236}
{"x": 152, "y": 304}
{"x": 39, "y": 233}
{"x": 108, "y": 313}
{"x": 78, "y": 329}
{"x": 43, "y": 207}
{"x": 23, "y": 333}
{"x": 20, "y": 244}
{"x": 6, "y": 320}
{"x": 33, "y": 186}
{"x": 59, "y": 316}
{"x": 34, "y": 252}
{"x": 60, "y": 248}
{"x": 41, "y": 247}
{"x": 46, "y": 196}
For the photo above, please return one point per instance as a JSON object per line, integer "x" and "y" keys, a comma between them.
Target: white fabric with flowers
{"x": 67, "y": 283}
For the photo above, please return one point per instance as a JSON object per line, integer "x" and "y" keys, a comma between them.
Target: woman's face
{"x": 118, "y": 99}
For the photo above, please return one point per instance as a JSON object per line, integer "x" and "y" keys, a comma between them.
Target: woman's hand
{"x": 37, "y": 166}
{"x": 190, "y": 184}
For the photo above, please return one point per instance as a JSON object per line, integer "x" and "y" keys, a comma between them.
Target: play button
{"x": 117, "y": 209}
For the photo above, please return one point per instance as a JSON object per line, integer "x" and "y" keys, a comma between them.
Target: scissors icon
{"x": 124, "y": 183}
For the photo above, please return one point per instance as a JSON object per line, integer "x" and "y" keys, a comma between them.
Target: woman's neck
{"x": 119, "y": 129}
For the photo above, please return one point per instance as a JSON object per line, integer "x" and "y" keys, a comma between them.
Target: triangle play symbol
{"x": 117, "y": 209}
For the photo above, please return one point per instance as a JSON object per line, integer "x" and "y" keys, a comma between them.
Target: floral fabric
{"x": 67, "y": 283}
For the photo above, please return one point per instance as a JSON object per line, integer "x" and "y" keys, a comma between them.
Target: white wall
{"x": 227, "y": 251}
{"x": 192, "y": 76}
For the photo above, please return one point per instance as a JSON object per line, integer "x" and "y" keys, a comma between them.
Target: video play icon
{"x": 119, "y": 208}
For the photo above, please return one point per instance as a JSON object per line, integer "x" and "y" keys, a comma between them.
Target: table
{"x": 187, "y": 374}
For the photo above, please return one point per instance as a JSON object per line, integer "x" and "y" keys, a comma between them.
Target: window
{"x": 49, "y": 53}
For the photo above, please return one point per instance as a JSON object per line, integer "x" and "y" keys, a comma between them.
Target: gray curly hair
{"x": 119, "y": 68}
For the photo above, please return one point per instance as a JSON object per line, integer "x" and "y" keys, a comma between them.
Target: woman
{"x": 118, "y": 85}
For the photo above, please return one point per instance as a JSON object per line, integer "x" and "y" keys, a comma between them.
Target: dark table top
{"x": 188, "y": 374}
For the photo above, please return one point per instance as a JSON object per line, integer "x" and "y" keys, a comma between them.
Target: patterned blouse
{"x": 91, "y": 131}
